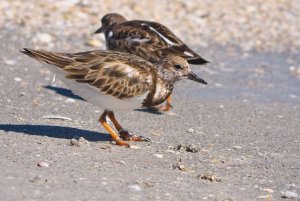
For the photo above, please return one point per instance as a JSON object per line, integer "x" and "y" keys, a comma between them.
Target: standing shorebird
{"x": 117, "y": 81}
{"x": 149, "y": 40}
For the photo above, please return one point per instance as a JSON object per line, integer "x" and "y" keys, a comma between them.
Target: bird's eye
{"x": 177, "y": 66}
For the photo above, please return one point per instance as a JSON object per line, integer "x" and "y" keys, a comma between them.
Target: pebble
{"x": 39, "y": 180}
{"x": 122, "y": 162}
{"x": 189, "y": 148}
{"x": 218, "y": 84}
{"x": 264, "y": 197}
{"x": 209, "y": 177}
{"x": 56, "y": 117}
{"x": 70, "y": 100}
{"x": 291, "y": 185}
{"x": 10, "y": 62}
{"x": 268, "y": 190}
{"x": 43, "y": 164}
{"x": 43, "y": 38}
{"x": 289, "y": 195}
{"x": 179, "y": 167}
{"x": 134, "y": 147}
{"x": 170, "y": 151}
{"x": 135, "y": 187}
{"x": 190, "y": 130}
{"x": 106, "y": 146}
{"x": 79, "y": 143}
{"x": 17, "y": 79}
{"x": 158, "y": 155}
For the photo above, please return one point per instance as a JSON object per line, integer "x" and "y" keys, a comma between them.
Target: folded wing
{"x": 139, "y": 37}
{"x": 118, "y": 74}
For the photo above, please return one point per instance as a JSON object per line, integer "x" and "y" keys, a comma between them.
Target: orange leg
{"x": 168, "y": 105}
{"x": 112, "y": 117}
{"x": 124, "y": 134}
{"x": 112, "y": 133}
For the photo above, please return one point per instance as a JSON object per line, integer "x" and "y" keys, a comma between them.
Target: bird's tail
{"x": 58, "y": 59}
{"x": 185, "y": 52}
{"x": 197, "y": 61}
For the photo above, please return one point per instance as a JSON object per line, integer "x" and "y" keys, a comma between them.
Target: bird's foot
{"x": 122, "y": 143}
{"x": 164, "y": 108}
{"x": 125, "y": 135}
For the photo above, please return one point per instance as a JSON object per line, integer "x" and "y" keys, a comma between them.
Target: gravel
{"x": 289, "y": 195}
{"x": 251, "y": 25}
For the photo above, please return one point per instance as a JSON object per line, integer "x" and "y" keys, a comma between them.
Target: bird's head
{"x": 108, "y": 21}
{"x": 175, "y": 68}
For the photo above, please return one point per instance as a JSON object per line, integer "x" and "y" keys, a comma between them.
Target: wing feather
{"x": 114, "y": 73}
{"x": 151, "y": 41}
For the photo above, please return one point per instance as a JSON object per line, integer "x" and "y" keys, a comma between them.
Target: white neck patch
{"x": 110, "y": 34}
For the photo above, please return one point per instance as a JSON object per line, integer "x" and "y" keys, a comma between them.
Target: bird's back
{"x": 150, "y": 40}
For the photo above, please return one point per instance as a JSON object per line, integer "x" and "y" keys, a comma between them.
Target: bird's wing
{"x": 140, "y": 36}
{"x": 118, "y": 74}
{"x": 162, "y": 32}
{"x": 132, "y": 33}
{"x": 175, "y": 45}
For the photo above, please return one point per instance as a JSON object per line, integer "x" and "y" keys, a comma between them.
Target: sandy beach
{"x": 238, "y": 138}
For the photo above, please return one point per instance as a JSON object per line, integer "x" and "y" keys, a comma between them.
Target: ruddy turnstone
{"x": 149, "y": 40}
{"x": 117, "y": 81}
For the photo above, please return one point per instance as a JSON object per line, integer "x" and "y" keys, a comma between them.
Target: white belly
{"x": 93, "y": 95}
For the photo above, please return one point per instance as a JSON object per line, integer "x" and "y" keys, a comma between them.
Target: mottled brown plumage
{"x": 117, "y": 80}
{"x": 150, "y": 40}
{"x": 105, "y": 70}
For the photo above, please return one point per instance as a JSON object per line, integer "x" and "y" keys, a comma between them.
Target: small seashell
{"x": 43, "y": 164}
{"x": 158, "y": 155}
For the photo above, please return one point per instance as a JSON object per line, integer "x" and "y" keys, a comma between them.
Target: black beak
{"x": 193, "y": 76}
{"x": 98, "y": 31}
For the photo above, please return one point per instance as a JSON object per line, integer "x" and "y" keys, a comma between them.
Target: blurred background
{"x": 260, "y": 25}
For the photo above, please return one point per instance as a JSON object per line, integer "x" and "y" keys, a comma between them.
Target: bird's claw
{"x": 125, "y": 135}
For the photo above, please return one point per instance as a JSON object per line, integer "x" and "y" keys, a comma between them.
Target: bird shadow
{"x": 64, "y": 92}
{"x": 151, "y": 110}
{"x": 68, "y": 93}
{"x": 55, "y": 132}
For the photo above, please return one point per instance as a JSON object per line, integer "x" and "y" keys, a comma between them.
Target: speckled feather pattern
{"x": 117, "y": 74}
{"x": 150, "y": 40}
